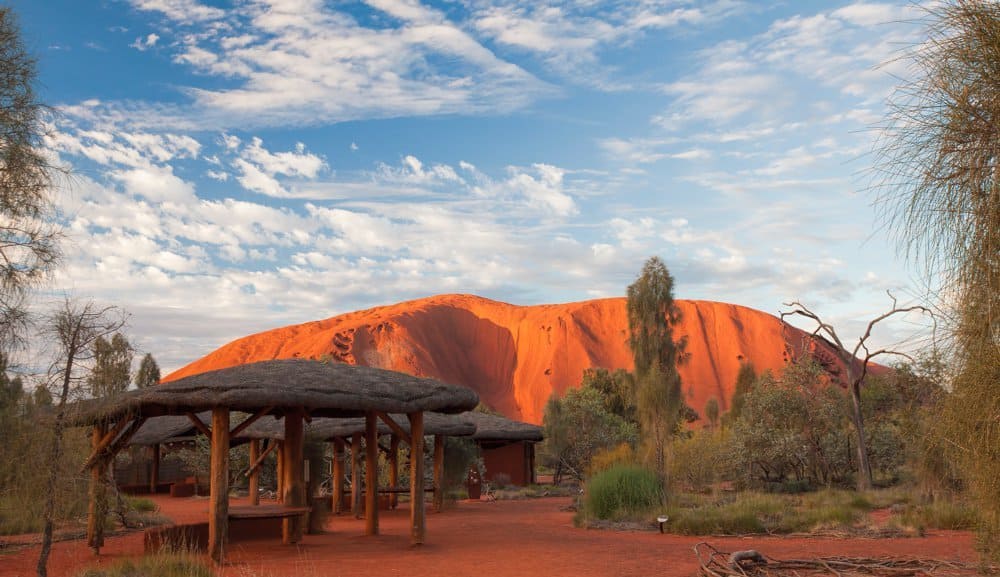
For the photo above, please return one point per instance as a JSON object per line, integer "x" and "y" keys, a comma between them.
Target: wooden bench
{"x": 402, "y": 490}
{"x": 266, "y": 511}
{"x": 247, "y": 523}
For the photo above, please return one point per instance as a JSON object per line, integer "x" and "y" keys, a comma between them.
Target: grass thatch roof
{"x": 497, "y": 428}
{"x": 163, "y": 429}
{"x": 322, "y": 389}
{"x": 326, "y": 429}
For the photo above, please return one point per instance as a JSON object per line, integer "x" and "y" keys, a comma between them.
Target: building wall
{"x": 516, "y": 459}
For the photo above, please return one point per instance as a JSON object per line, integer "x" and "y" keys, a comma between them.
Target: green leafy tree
{"x": 148, "y": 373}
{"x": 939, "y": 163}
{"x": 617, "y": 388}
{"x": 577, "y": 427}
{"x": 112, "y": 366}
{"x": 651, "y": 318}
{"x": 745, "y": 378}
{"x": 28, "y": 236}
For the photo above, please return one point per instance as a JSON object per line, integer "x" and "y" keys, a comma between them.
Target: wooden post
{"x": 438, "y": 473}
{"x": 97, "y": 509}
{"x": 418, "y": 524}
{"x": 154, "y": 468}
{"x": 218, "y": 501}
{"x": 371, "y": 473}
{"x": 393, "y": 469}
{"x": 338, "y": 476}
{"x": 254, "y": 488}
{"x": 356, "y": 475}
{"x": 279, "y": 483}
{"x": 294, "y": 485}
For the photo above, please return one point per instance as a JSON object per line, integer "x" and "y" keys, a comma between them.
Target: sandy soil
{"x": 501, "y": 539}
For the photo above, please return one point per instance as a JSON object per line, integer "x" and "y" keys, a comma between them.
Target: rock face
{"x": 515, "y": 357}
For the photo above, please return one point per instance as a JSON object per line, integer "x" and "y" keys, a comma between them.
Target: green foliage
{"x": 651, "y": 317}
{"x": 460, "y": 455}
{"x": 28, "y": 235}
{"x": 793, "y": 429}
{"x": 141, "y": 504}
{"x": 148, "y": 373}
{"x": 112, "y": 366}
{"x": 577, "y": 427}
{"x": 941, "y": 514}
{"x": 605, "y": 459}
{"x": 159, "y": 565}
{"x": 617, "y": 388}
{"x": 745, "y": 379}
{"x": 700, "y": 460}
{"x": 622, "y": 490}
{"x": 712, "y": 412}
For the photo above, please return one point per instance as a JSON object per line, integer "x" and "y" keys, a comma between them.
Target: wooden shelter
{"x": 345, "y": 434}
{"x": 507, "y": 446}
{"x": 166, "y": 430}
{"x": 295, "y": 389}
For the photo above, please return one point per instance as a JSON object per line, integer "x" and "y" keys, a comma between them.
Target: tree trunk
{"x": 864, "y": 466}
{"x": 218, "y": 492}
{"x": 55, "y": 454}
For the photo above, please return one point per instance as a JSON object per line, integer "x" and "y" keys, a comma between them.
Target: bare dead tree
{"x": 74, "y": 328}
{"x": 857, "y": 368}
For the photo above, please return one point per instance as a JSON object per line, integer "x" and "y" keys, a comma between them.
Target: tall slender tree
{"x": 938, "y": 165}
{"x": 652, "y": 315}
{"x": 28, "y": 236}
{"x": 112, "y": 370}
{"x": 148, "y": 373}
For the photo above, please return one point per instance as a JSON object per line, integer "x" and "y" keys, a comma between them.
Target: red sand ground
{"x": 516, "y": 356}
{"x": 501, "y": 539}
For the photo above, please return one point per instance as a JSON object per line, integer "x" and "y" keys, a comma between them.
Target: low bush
{"x": 622, "y": 490}
{"x": 161, "y": 565}
{"x": 940, "y": 515}
{"x": 141, "y": 504}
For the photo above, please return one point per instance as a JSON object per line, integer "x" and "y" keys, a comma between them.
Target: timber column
{"x": 154, "y": 468}
{"x": 393, "y": 469}
{"x": 294, "y": 484}
{"x": 356, "y": 475}
{"x": 218, "y": 501}
{"x": 254, "y": 488}
{"x": 418, "y": 521}
{"x": 371, "y": 473}
{"x": 338, "y": 476}
{"x": 438, "y": 473}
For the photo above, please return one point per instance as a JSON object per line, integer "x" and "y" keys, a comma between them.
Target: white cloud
{"x": 185, "y": 11}
{"x": 142, "y": 44}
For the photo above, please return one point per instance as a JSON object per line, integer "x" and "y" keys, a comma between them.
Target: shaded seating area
{"x": 346, "y": 437}
{"x": 297, "y": 391}
{"x": 157, "y": 433}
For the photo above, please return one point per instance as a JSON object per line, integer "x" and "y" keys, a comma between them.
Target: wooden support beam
{"x": 199, "y": 425}
{"x": 418, "y": 521}
{"x": 255, "y": 465}
{"x": 251, "y": 420}
{"x": 393, "y": 469}
{"x": 294, "y": 485}
{"x": 279, "y": 483}
{"x": 97, "y": 508}
{"x": 99, "y": 445}
{"x": 394, "y": 426}
{"x": 356, "y": 475}
{"x": 254, "y": 488}
{"x": 154, "y": 468}
{"x": 218, "y": 500}
{"x": 371, "y": 473}
{"x": 337, "y": 478}
{"x": 438, "y": 473}
{"x": 111, "y": 443}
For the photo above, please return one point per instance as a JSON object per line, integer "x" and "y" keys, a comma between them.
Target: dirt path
{"x": 504, "y": 539}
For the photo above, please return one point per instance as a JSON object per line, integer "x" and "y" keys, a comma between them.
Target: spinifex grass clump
{"x": 160, "y": 565}
{"x": 622, "y": 490}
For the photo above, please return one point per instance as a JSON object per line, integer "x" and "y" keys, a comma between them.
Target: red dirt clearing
{"x": 502, "y": 539}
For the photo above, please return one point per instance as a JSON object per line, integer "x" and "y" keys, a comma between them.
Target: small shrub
{"x": 940, "y": 515}
{"x": 622, "y": 490}
{"x": 160, "y": 565}
{"x": 141, "y": 504}
{"x": 604, "y": 459}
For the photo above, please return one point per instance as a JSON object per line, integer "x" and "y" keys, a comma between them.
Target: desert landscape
{"x": 699, "y": 288}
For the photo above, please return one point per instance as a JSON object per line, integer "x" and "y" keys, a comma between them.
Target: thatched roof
{"x": 497, "y": 428}
{"x": 326, "y": 429}
{"x": 322, "y": 389}
{"x": 164, "y": 429}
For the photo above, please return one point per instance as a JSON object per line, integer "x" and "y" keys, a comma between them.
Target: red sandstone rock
{"x": 515, "y": 357}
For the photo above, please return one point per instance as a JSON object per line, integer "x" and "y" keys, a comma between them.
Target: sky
{"x": 236, "y": 166}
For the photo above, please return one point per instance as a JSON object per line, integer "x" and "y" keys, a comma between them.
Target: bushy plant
{"x": 577, "y": 427}
{"x": 604, "y": 459}
{"x": 622, "y": 490}
{"x": 160, "y": 565}
{"x": 701, "y": 460}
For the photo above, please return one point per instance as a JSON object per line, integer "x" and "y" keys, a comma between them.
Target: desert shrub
{"x": 941, "y": 514}
{"x": 604, "y": 459}
{"x": 460, "y": 455}
{"x": 160, "y": 565}
{"x": 622, "y": 490}
{"x": 577, "y": 427}
{"x": 141, "y": 504}
{"x": 699, "y": 461}
{"x": 753, "y": 512}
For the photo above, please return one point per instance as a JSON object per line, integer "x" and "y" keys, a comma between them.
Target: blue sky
{"x": 238, "y": 166}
